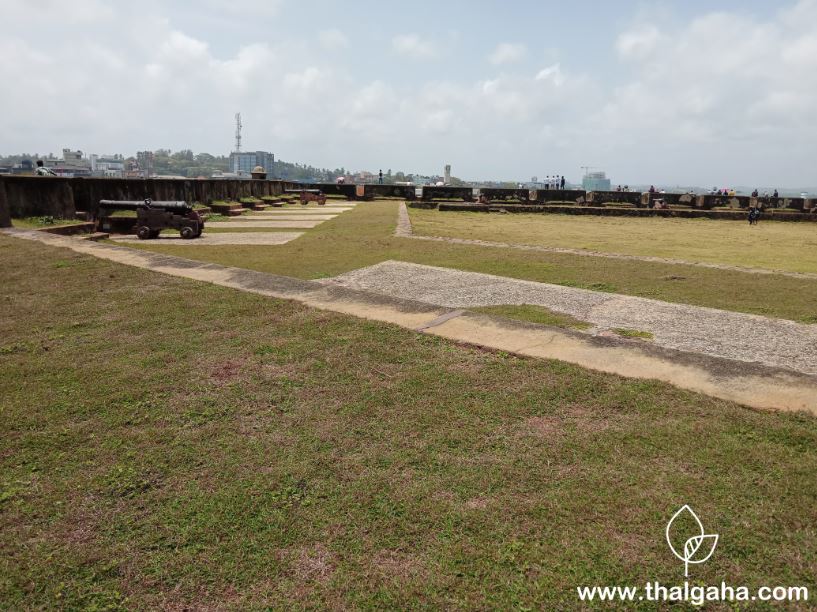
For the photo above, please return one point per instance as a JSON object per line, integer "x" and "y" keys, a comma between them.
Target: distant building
{"x": 145, "y": 162}
{"x": 26, "y": 166}
{"x": 596, "y": 181}
{"x": 72, "y": 164}
{"x": 218, "y": 174}
{"x": 107, "y": 166}
{"x": 243, "y": 162}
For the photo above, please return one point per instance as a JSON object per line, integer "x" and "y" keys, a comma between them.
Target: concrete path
{"x": 749, "y": 384}
{"x": 304, "y": 212}
{"x": 720, "y": 333}
{"x": 307, "y": 224}
{"x": 405, "y": 230}
{"x": 290, "y": 217}
{"x": 221, "y": 238}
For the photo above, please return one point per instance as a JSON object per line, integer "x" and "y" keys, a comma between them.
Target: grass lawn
{"x": 773, "y": 245}
{"x": 364, "y": 237}
{"x": 173, "y": 444}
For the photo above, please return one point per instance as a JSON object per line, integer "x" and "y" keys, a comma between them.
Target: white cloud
{"x": 639, "y": 42}
{"x": 723, "y": 94}
{"x": 506, "y": 53}
{"x": 551, "y": 73}
{"x": 333, "y": 39}
{"x": 413, "y": 46}
{"x": 717, "y": 96}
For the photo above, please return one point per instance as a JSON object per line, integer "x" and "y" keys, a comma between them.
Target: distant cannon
{"x": 152, "y": 217}
{"x": 310, "y": 195}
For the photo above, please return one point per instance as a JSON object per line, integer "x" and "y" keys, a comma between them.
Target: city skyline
{"x": 671, "y": 92}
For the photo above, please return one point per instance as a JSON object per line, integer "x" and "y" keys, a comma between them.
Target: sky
{"x": 672, "y": 92}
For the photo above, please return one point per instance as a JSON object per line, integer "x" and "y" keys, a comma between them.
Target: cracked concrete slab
{"x": 708, "y": 331}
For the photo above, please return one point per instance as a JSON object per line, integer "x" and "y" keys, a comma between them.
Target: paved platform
{"x": 708, "y": 331}
{"x": 220, "y": 239}
{"x": 290, "y": 217}
{"x": 306, "y": 224}
{"x": 303, "y": 211}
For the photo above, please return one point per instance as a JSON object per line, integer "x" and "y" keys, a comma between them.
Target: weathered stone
{"x": 543, "y": 196}
{"x": 431, "y": 192}
{"x": 614, "y": 197}
{"x": 61, "y": 197}
{"x": 5, "y": 211}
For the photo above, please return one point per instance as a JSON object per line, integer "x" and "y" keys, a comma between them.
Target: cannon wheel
{"x": 143, "y": 232}
{"x": 187, "y": 232}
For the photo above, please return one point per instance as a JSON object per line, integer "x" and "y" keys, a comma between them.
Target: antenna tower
{"x": 238, "y": 132}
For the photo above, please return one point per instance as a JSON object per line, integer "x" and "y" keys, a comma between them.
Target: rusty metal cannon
{"x": 152, "y": 217}
{"x": 309, "y": 195}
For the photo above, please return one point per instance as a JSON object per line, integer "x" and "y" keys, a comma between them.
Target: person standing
{"x": 562, "y": 183}
{"x": 380, "y": 177}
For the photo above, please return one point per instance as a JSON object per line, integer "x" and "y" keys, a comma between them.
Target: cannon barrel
{"x": 136, "y": 204}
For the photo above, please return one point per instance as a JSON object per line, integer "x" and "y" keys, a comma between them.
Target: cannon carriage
{"x": 309, "y": 195}
{"x": 152, "y": 217}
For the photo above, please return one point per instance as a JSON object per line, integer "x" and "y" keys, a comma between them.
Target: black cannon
{"x": 152, "y": 217}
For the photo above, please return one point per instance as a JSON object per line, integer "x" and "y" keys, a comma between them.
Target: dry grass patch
{"x": 774, "y": 245}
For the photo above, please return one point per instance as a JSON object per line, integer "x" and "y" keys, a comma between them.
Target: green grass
{"x": 772, "y": 245}
{"x": 173, "y": 444}
{"x": 633, "y": 333}
{"x": 363, "y": 237}
{"x": 534, "y": 314}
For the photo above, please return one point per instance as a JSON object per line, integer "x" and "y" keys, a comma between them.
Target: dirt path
{"x": 404, "y": 230}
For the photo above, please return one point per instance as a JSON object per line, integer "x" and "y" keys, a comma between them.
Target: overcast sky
{"x": 674, "y": 92}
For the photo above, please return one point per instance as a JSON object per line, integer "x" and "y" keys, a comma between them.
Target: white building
{"x": 107, "y": 166}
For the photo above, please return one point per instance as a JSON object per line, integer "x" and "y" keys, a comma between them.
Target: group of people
{"x": 755, "y": 194}
{"x": 626, "y": 188}
{"x": 554, "y": 182}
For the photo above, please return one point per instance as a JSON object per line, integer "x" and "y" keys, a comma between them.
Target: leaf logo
{"x": 696, "y": 547}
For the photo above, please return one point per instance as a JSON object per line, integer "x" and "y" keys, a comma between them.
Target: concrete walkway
{"x": 260, "y": 216}
{"x": 308, "y": 224}
{"x": 302, "y": 211}
{"x": 719, "y": 333}
{"x": 749, "y": 384}
{"x": 221, "y": 239}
